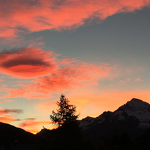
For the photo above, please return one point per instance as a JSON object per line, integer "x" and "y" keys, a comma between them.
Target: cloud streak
{"x": 7, "y": 119}
{"x": 65, "y": 78}
{"x": 6, "y": 111}
{"x": 33, "y": 16}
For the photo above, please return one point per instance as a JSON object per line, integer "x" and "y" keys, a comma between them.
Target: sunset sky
{"x": 97, "y": 53}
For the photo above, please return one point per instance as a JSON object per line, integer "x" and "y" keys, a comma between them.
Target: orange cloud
{"x": 27, "y": 62}
{"x": 7, "y": 33}
{"x": 35, "y": 42}
{"x": 32, "y": 16}
{"x": 7, "y": 119}
{"x": 31, "y": 125}
{"x": 74, "y": 75}
{"x": 68, "y": 77}
{"x": 53, "y": 75}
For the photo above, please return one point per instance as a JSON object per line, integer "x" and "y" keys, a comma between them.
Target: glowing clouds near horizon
{"x": 33, "y": 16}
{"x": 6, "y": 117}
{"x": 27, "y": 63}
{"x": 31, "y": 124}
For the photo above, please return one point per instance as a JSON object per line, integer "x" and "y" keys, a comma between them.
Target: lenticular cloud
{"x": 27, "y": 63}
{"x": 34, "y": 16}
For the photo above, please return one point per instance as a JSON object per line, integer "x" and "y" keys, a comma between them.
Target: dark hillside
{"x": 12, "y": 134}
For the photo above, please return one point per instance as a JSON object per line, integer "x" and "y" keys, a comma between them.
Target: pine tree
{"x": 68, "y": 135}
{"x": 65, "y": 113}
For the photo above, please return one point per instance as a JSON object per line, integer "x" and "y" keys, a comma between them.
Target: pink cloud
{"x": 138, "y": 79}
{"x": 33, "y": 16}
{"x": 67, "y": 61}
{"x": 50, "y": 74}
{"x": 78, "y": 74}
{"x": 35, "y": 42}
{"x": 7, "y": 33}
{"x": 67, "y": 77}
{"x": 7, "y": 119}
{"x": 21, "y": 41}
{"x": 27, "y": 62}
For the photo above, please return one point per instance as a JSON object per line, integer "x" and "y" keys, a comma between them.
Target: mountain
{"x": 139, "y": 109}
{"x": 128, "y": 127}
{"x": 9, "y": 133}
{"x": 84, "y": 123}
{"x": 132, "y": 118}
{"x": 12, "y": 137}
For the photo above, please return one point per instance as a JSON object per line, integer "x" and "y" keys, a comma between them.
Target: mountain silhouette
{"x": 132, "y": 118}
{"x": 128, "y": 127}
{"x": 15, "y": 138}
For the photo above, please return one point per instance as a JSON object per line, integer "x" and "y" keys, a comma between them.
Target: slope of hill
{"x": 9, "y": 133}
{"x": 13, "y": 138}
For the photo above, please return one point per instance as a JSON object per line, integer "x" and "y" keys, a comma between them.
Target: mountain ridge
{"x": 14, "y": 134}
{"x": 133, "y": 118}
{"x": 135, "y": 107}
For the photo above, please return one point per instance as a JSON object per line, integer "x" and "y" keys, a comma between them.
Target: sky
{"x": 96, "y": 53}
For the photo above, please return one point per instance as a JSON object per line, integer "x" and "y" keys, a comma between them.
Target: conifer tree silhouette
{"x": 65, "y": 113}
{"x": 68, "y": 134}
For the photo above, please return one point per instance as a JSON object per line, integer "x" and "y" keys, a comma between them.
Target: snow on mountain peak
{"x": 135, "y": 105}
{"x": 139, "y": 109}
{"x": 138, "y": 104}
{"x": 136, "y": 109}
